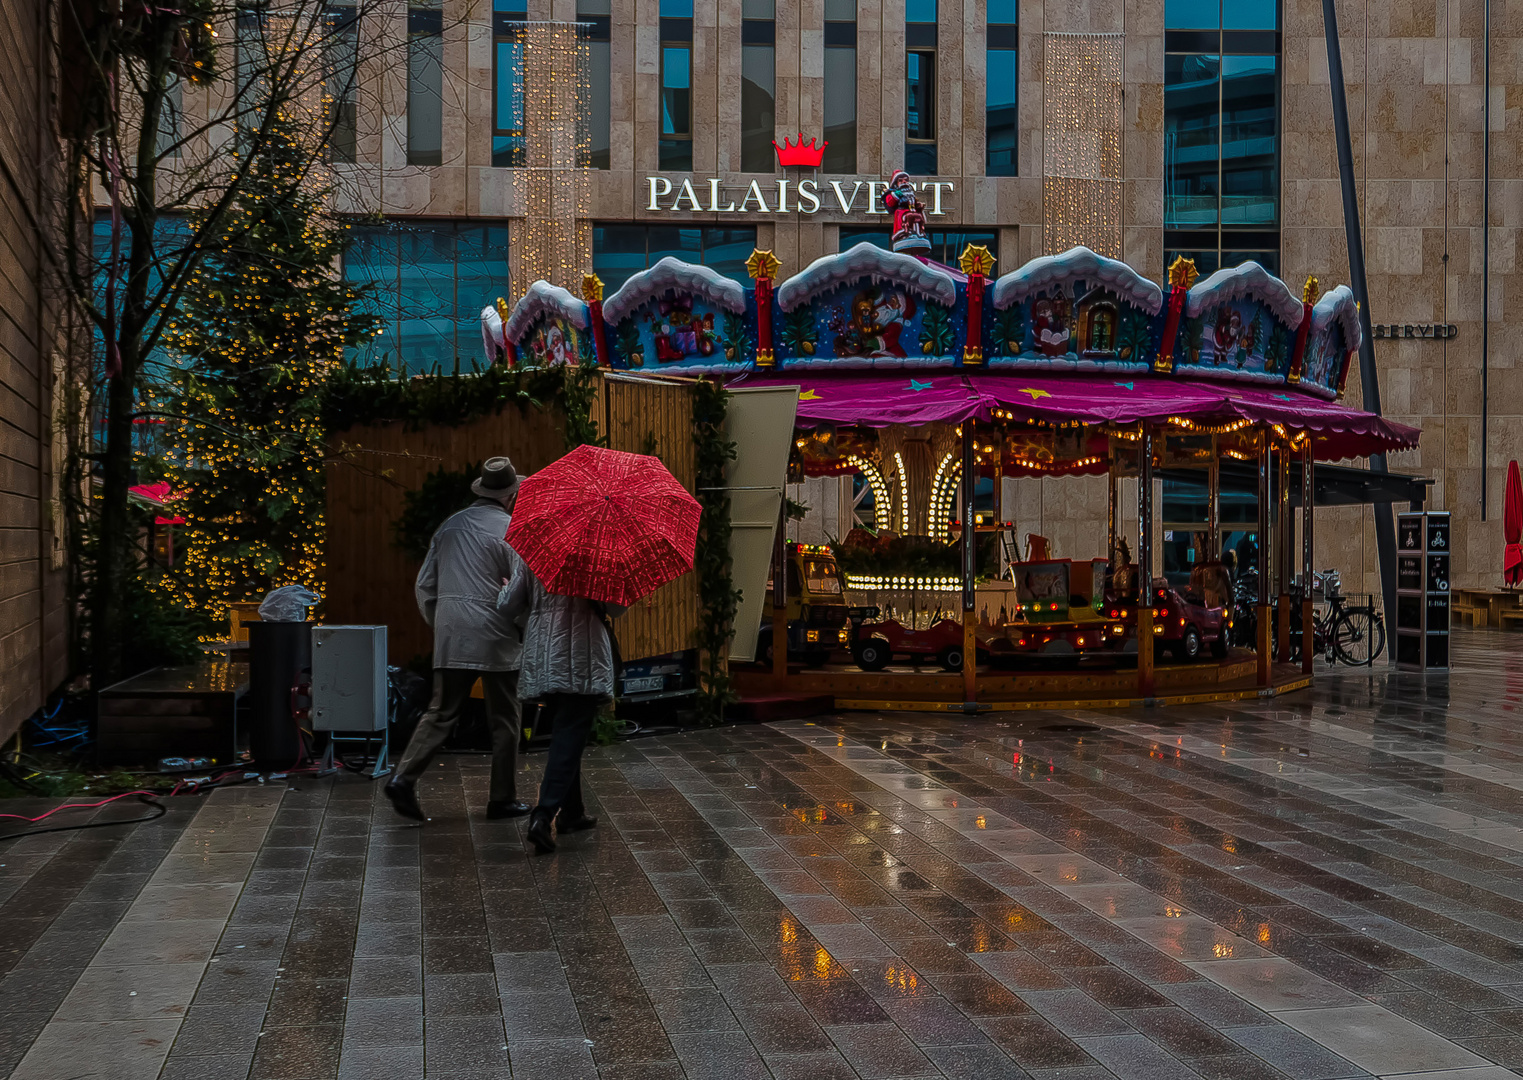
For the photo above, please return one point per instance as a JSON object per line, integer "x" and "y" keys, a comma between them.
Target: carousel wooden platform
{"x": 927, "y": 689}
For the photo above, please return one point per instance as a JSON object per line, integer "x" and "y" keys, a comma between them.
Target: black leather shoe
{"x": 499, "y": 810}
{"x": 580, "y": 823}
{"x": 403, "y": 800}
{"x": 539, "y": 833}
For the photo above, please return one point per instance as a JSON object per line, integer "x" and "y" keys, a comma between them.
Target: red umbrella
{"x": 1512, "y": 527}
{"x": 606, "y": 525}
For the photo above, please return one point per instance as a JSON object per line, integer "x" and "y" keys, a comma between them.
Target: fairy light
{"x": 867, "y": 582}
{"x": 882, "y": 503}
{"x": 904, "y": 494}
{"x": 1081, "y": 142}
{"x": 554, "y": 240}
{"x": 943, "y": 491}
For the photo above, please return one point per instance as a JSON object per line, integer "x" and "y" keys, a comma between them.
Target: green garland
{"x": 717, "y": 596}
{"x": 358, "y": 395}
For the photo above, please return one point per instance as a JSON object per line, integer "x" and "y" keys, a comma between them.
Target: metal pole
{"x": 1213, "y": 552}
{"x": 1369, "y": 381}
{"x": 1263, "y": 635}
{"x": 1145, "y": 680}
{"x": 1284, "y": 545}
{"x": 1308, "y": 501}
{"x": 780, "y": 592}
{"x": 969, "y": 570}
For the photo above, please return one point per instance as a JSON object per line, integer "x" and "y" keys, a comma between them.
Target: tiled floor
{"x": 1321, "y": 886}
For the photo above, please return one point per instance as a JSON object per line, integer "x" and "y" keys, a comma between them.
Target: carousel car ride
{"x": 1183, "y": 624}
{"x": 1059, "y": 613}
{"x": 876, "y": 644}
{"x": 817, "y": 612}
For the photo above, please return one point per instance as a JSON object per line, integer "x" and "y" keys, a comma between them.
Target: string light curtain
{"x": 1081, "y": 142}
{"x": 553, "y": 241}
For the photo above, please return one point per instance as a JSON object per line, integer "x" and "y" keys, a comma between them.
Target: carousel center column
{"x": 969, "y": 568}
{"x": 1264, "y": 629}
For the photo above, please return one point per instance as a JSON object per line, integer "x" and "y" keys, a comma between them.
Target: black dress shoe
{"x": 403, "y": 800}
{"x": 580, "y": 823}
{"x": 539, "y": 833}
{"x": 498, "y": 810}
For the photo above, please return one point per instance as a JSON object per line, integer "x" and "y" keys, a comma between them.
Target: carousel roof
{"x": 868, "y": 261}
{"x": 1078, "y": 263}
{"x": 881, "y": 399}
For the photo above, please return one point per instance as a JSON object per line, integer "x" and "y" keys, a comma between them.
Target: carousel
{"x": 935, "y": 391}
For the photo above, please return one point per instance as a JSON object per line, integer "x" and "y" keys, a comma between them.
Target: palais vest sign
{"x": 786, "y": 195}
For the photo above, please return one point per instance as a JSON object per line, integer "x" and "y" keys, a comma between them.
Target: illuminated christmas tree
{"x": 258, "y": 333}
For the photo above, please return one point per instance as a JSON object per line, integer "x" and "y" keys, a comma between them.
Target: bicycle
{"x": 1352, "y": 634}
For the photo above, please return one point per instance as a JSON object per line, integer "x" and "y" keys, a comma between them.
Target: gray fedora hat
{"x": 497, "y": 479}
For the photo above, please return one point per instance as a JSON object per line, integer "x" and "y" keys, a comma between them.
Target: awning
{"x": 879, "y": 399}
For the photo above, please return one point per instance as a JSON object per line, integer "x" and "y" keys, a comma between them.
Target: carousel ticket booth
{"x": 935, "y": 392}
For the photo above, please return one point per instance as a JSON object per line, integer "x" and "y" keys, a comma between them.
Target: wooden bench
{"x": 1475, "y": 616}
{"x": 1510, "y": 618}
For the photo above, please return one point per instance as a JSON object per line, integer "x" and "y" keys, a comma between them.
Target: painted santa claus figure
{"x": 909, "y": 214}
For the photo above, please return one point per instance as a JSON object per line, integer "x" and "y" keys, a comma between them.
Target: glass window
{"x": 619, "y": 251}
{"x": 676, "y": 9}
{"x": 1191, "y": 102}
{"x": 1000, "y": 112}
{"x": 597, "y": 32}
{"x": 676, "y": 107}
{"x": 342, "y": 48}
{"x": 425, "y": 86}
{"x": 840, "y": 86}
{"x": 920, "y": 11}
{"x": 1192, "y": 14}
{"x": 168, "y": 145}
{"x": 1250, "y": 141}
{"x": 427, "y": 282}
{"x": 920, "y": 114}
{"x": 758, "y": 75}
{"x": 1222, "y": 132}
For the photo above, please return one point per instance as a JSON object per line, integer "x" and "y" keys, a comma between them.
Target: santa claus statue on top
{"x": 909, "y": 214}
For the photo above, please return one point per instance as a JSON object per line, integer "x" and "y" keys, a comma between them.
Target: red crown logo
{"x": 802, "y": 153}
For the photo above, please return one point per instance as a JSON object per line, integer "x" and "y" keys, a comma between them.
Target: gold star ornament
{"x": 762, "y": 264}
{"x": 976, "y": 259}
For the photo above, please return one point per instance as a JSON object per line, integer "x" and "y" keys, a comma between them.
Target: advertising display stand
{"x": 1422, "y": 591}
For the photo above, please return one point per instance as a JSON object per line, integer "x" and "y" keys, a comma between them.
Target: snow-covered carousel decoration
{"x": 873, "y": 308}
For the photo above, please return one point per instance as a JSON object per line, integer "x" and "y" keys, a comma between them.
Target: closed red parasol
{"x": 1512, "y": 527}
{"x": 606, "y": 525}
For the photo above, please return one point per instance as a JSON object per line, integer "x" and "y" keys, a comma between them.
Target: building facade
{"x": 1158, "y": 127}
{"x": 33, "y": 624}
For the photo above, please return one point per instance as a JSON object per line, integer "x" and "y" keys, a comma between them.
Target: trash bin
{"x": 280, "y": 657}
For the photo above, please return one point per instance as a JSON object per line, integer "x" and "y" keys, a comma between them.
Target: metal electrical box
{"x": 348, "y": 678}
{"x": 1422, "y": 591}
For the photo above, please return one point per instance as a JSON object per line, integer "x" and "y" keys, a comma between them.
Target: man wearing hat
{"x": 473, "y": 590}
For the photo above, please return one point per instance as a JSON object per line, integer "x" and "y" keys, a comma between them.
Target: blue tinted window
{"x": 1193, "y": 14}
{"x": 619, "y": 251}
{"x": 1250, "y": 15}
{"x": 1000, "y": 112}
{"x": 1250, "y": 140}
{"x": 1003, "y": 11}
{"x": 1191, "y": 141}
{"x": 428, "y": 282}
{"x": 920, "y": 11}
{"x": 676, "y": 9}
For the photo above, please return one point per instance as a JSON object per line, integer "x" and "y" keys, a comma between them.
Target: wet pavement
{"x": 1323, "y": 885}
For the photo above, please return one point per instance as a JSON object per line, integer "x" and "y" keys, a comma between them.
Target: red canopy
{"x": 878, "y": 399}
{"x": 1512, "y": 527}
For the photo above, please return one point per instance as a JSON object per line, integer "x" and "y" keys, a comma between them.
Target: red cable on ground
{"x": 75, "y": 806}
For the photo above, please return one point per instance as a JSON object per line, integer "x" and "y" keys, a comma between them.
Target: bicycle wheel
{"x": 1359, "y": 637}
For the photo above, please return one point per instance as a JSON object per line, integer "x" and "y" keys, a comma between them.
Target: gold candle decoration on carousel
{"x": 763, "y": 267}
{"x": 1182, "y": 276}
{"x": 592, "y": 292}
{"x": 1298, "y": 354}
{"x": 977, "y": 263}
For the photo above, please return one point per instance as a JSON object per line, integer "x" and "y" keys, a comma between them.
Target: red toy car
{"x": 1182, "y": 623}
{"x": 876, "y": 644}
